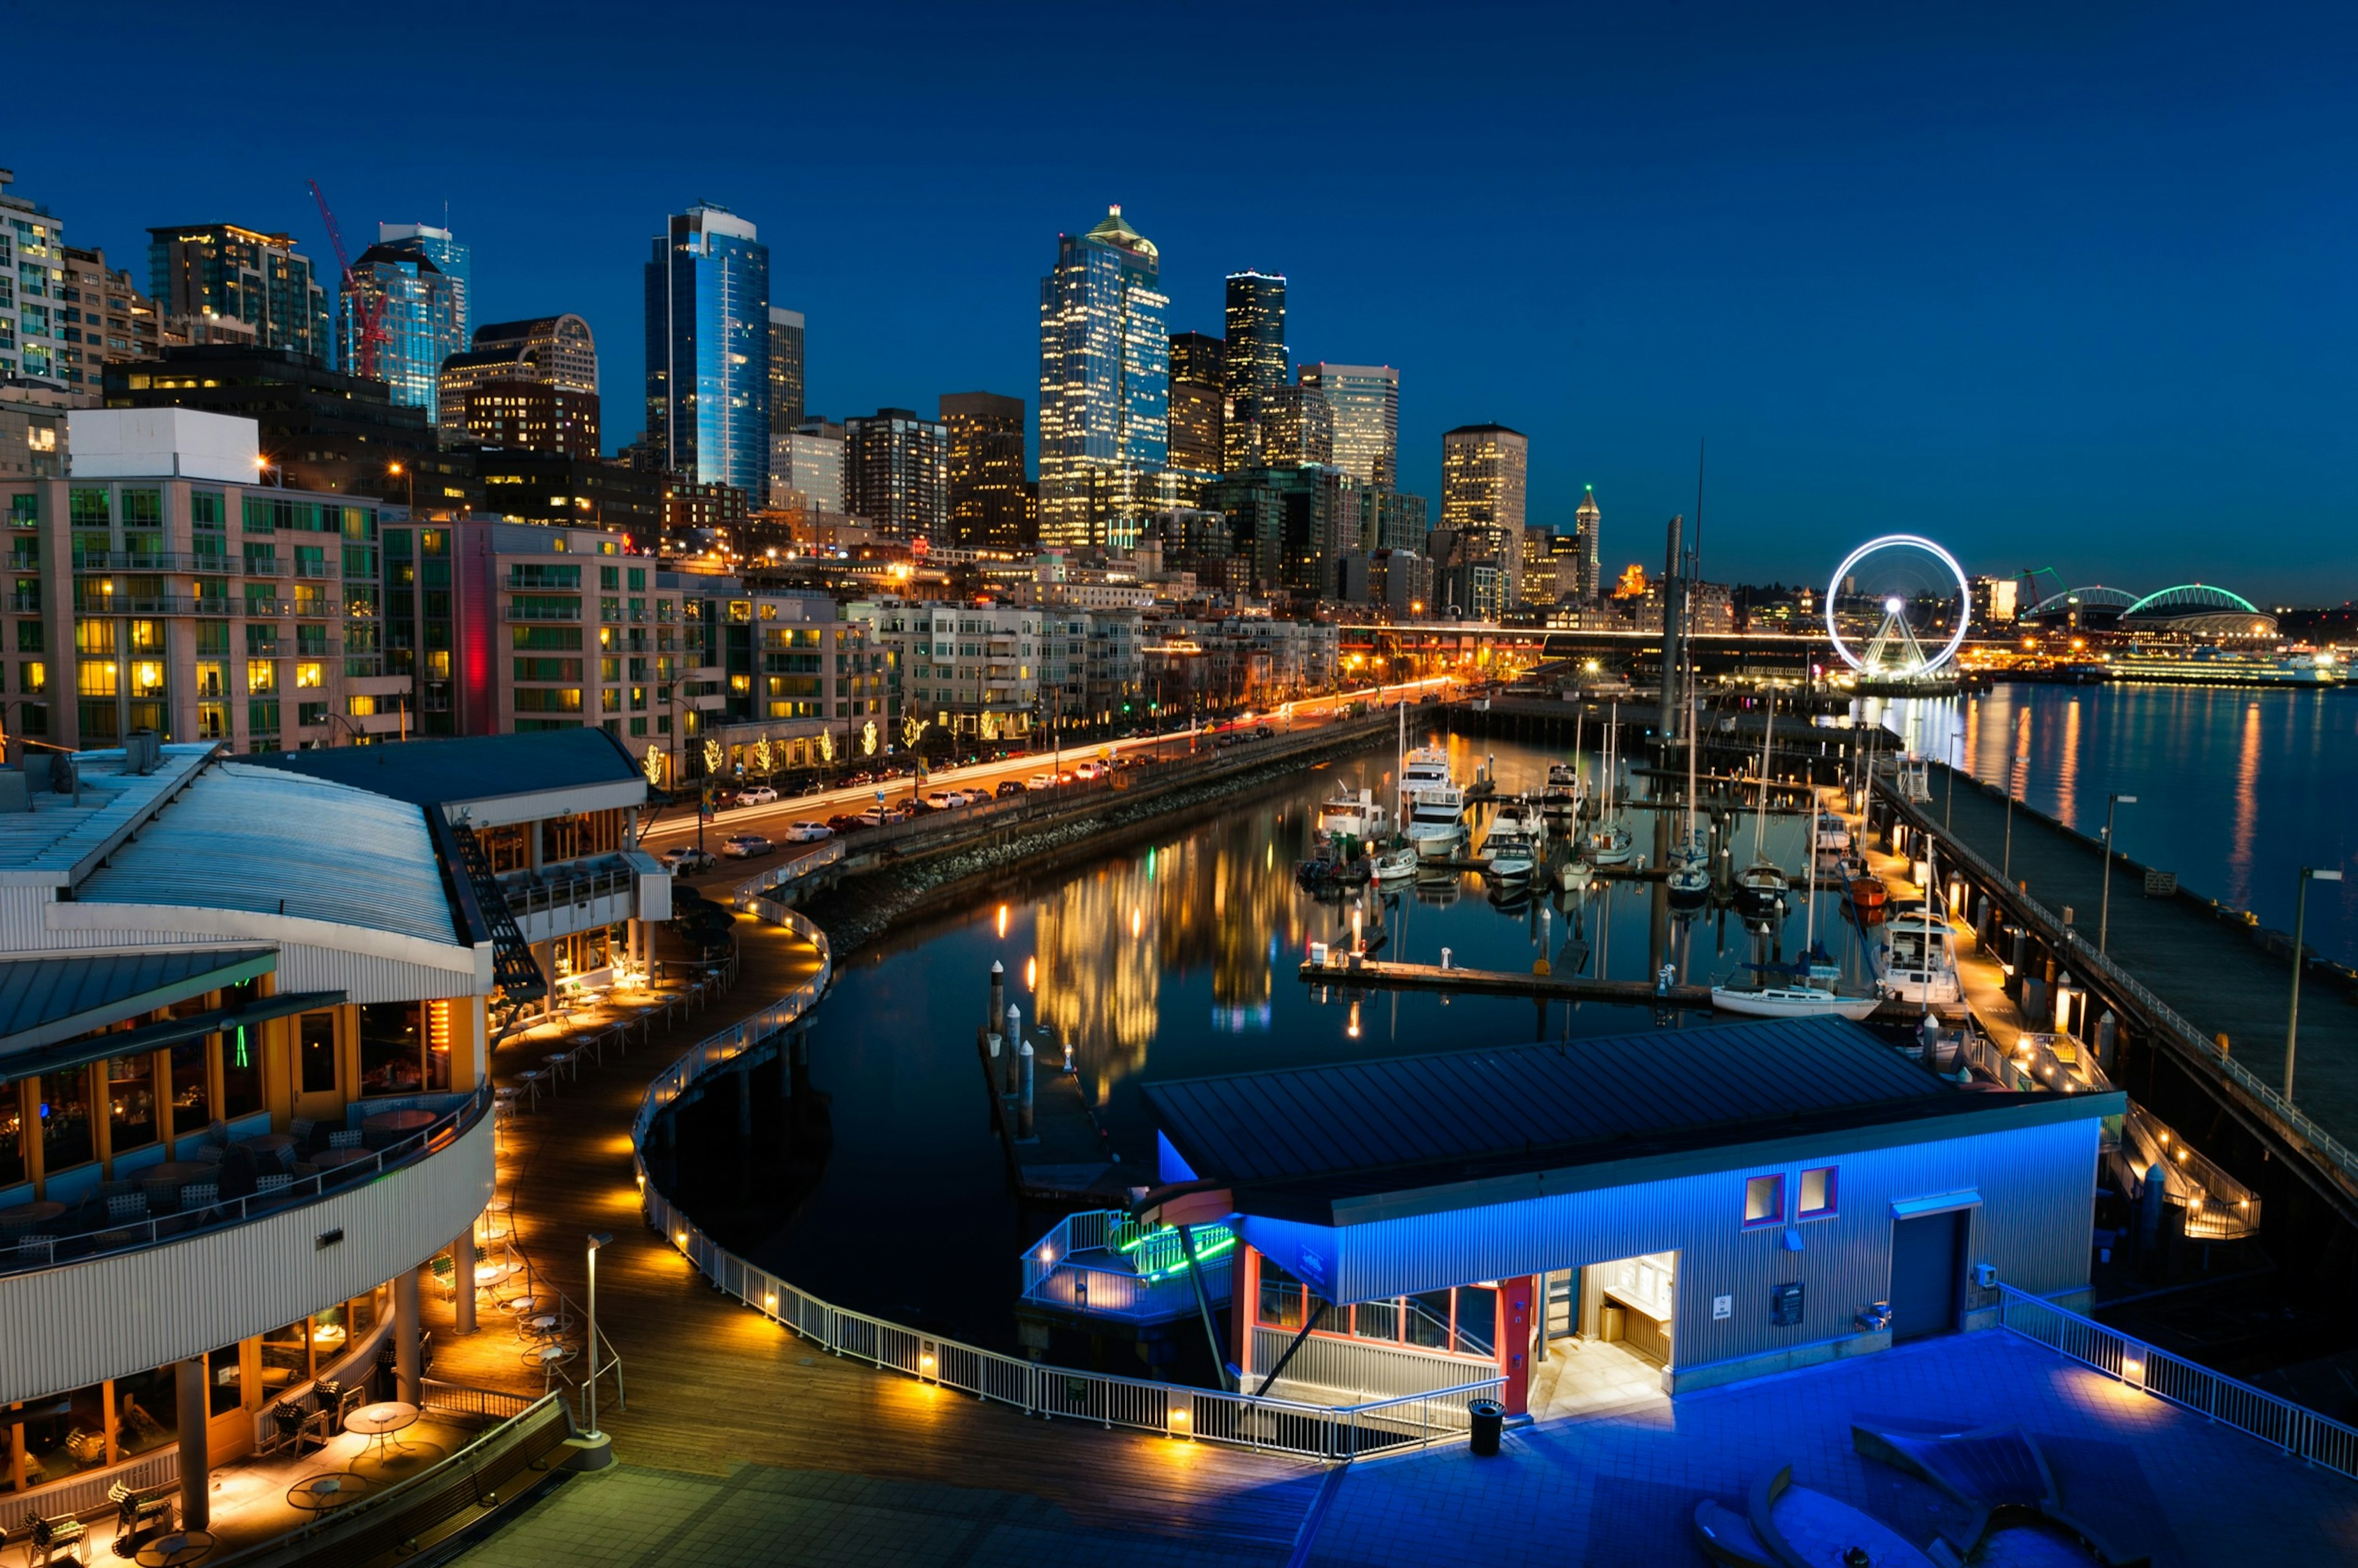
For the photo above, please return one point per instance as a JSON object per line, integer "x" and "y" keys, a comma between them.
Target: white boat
{"x": 1521, "y": 816}
{"x": 1689, "y": 879}
{"x": 1576, "y": 875}
{"x": 1511, "y": 858}
{"x": 1564, "y": 790}
{"x": 1396, "y": 865}
{"x": 1690, "y": 886}
{"x": 1833, "y": 833}
{"x": 1351, "y": 814}
{"x": 1514, "y": 840}
{"x": 1610, "y": 845}
{"x": 1919, "y": 961}
{"x": 1425, "y": 768}
{"x": 1435, "y": 823}
{"x": 1791, "y": 1001}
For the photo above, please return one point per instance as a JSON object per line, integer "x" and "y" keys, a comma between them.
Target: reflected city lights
{"x": 1002, "y": 921}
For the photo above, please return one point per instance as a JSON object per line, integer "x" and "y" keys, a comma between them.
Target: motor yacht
{"x": 1353, "y": 814}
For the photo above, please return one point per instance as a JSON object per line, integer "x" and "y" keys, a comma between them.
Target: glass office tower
{"x": 709, "y": 350}
{"x": 418, "y": 323}
{"x": 1365, "y": 402}
{"x": 1254, "y": 363}
{"x": 452, "y": 257}
{"x": 1105, "y": 386}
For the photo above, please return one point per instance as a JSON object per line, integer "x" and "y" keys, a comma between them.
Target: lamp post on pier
{"x": 2105, "y": 914}
{"x": 2299, "y": 923}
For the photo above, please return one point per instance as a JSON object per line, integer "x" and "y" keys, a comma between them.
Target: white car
{"x": 686, "y": 860}
{"x": 807, "y": 832}
{"x": 745, "y": 846}
{"x": 759, "y": 795}
{"x": 943, "y": 799}
{"x": 1041, "y": 781}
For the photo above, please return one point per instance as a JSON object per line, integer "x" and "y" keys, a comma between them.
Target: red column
{"x": 1514, "y": 1343}
{"x": 1243, "y": 1303}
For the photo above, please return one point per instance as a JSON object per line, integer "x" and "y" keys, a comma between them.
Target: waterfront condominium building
{"x": 707, "y": 313}
{"x": 556, "y": 352}
{"x": 1588, "y": 524}
{"x": 896, "y": 473}
{"x": 1366, "y": 404}
{"x": 971, "y": 670}
{"x": 103, "y": 319}
{"x": 416, "y": 309}
{"x": 1105, "y": 386}
{"x": 1253, "y": 363}
{"x": 785, "y": 368}
{"x": 806, "y": 468}
{"x": 32, "y": 270}
{"x": 990, "y": 504}
{"x": 1485, "y": 475}
{"x": 161, "y": 588}
{"x": 781, "y": 667}
{"x": 256, "y": 284}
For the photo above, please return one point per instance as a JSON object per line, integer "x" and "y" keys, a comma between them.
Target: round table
{"x": 519, "y": 1306}
{"x": 328, "y": 1158}
{"x": 166, "y": 1179}
{"x": 490, "y": 1274}
{"x": 175, "y": 1550}
{"x": 28, "y": 1217}
{"x": 399, "y": 1121}
{"x": 548, "y": 1358}
{"x": 540, "y": 1325}
{"x": 318, "y": 1494}
{"x": 381, "y": 1420}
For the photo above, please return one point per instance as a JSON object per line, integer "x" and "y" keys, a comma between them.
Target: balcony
{"x": 139, "y": 561}
{"x": 153, "y": 604}
{"x": 562, "y": 900}
{"x": 318, "y": 569}
{"x": 538, "y": 612}
{"x": 79, "y": 1303}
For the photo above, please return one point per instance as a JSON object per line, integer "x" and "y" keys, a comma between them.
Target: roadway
{"x": 675, "y": 824}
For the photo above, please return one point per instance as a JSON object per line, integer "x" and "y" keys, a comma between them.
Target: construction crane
{"x": 368, "y": 307}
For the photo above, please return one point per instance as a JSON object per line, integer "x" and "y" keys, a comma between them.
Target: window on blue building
{"x": 1764, "y": 1201}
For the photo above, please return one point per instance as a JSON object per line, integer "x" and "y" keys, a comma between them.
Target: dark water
{"x": 1173, "y": 959}
{"x": 2236, "y": 789}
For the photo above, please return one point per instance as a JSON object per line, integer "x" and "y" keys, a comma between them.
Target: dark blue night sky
{"x": 2065, "y": 286}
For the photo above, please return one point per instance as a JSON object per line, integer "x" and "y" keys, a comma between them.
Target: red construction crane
{"x": 368, "y": 306}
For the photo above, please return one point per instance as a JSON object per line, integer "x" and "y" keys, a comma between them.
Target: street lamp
{"x": 2300, "y": 921}
{"x": 597, "y": 1239}
{"x": 404, "y": 471}
{"x": 2105, "y": 914}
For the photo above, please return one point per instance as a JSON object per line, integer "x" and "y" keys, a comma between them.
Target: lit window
{"x": 307, "y": 674}
{"x": 1764, "y": 1201}
{"x": 1817, "y": 1193}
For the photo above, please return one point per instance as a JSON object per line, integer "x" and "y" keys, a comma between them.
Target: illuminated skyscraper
{"x": 452, "y": 257}
{"x": 1199, "y": 406}
{"x": 220, "y": 283}
{"x": 1105, "y": 386}
{"x": 785, "y": 368}
{"x": 896, "y": 475}
{"x": 1587, "y": 523}
{"x": 416, "y": 307}
{"x": 1366, "y": 404}
{"x": 1255, "y": 362}
{"x": 1297, "y": 426}
{"x": 1485, "y": 480}
{"x": 709, "y": 350}
{"x": 990, "y": 505}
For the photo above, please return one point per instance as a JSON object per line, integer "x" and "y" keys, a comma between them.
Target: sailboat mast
{"x": 1760, "y": 818}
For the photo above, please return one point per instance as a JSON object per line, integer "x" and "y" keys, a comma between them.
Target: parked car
{"x": 1010, "y": 786}
{"x": 745, "y": 846}
{"x": 686, "y": 860}
{"x": 874, "y": 816}
{"x": 758, "y": 794}
{"x": 1041, "y": 781}
{"x": 807, "y": 832}
{"x": 943, "y": 799}
{"x": 845, "y": 822}
{"x": 722, "y": 799}
{"x": 1230, "y": 738}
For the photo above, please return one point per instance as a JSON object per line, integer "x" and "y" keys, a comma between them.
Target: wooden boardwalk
{"x": 713, "y": 1385}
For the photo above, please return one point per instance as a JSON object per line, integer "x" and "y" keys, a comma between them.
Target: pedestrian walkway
{"x": 1619, "y": 1489}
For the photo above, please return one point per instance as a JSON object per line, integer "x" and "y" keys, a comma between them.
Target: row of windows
{"x": 1816, "y": 1195}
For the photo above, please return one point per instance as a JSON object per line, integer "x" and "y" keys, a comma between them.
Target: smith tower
{"x": 1105, "y": 386}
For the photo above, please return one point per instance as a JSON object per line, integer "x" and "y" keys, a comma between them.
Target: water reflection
{"x": 2247, "y": 808}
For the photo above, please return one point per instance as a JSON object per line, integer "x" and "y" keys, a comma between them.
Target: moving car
{"x": 759, "y": 795}
{"x": 745, "y": 846}
{"x": 1010, "y": 786}
{"x": 1041, "y": 781}
{"x": 1263, "y": 732}
{"x": 686, "y": 860}
{"x": 807, "y": 832}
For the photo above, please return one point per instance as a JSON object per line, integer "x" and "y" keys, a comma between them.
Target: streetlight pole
{"x": 597, "y": 1239}
{"x": 2104, "y": 916}
{"x": 2299, "y": 921}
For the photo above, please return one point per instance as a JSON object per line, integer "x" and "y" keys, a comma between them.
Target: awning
{"x": 1938, "y": 1203}
{"x": 44, "y": 1000}
{"x": 171, "y": 1031}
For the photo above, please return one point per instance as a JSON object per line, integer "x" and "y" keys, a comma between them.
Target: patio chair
{"x": 137, "y": 1513}
{"x": 346, "y": 1138}
{"x": 197, "y": 1196}
{"x": 36, "y": 1249}
{"x": 273, "y": 1183}
{"x": 209, "y": 1154}
{"x": 336, "y": 1402}
{"x": 53, "y": 1538}
{"x": 300, "y": 1129}
{"x": 121, "y": 1206}
{"x": 446, "y": 1277}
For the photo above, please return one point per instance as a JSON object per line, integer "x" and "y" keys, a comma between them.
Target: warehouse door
{"x": 1927, "y": 1253}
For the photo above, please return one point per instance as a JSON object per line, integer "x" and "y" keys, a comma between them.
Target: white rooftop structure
{"x": 162, "y": 443}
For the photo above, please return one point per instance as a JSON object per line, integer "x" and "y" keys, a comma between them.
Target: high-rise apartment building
{"x": 1198, "y": 407}
{"x": 990, "y": 505}
{"x": 806, "y": 468}
{"x": 1588, "y": 524}
{"x": 1199, "y": 357}
{"x": 101, "y": 317}
{"x": 1297, "y": 426}
{"x": 32, "y": 270}
{"x": 1253, "y": 363}
{"x": 452, "y": 257}
{"x": 896, "y": 475}
{"x": 418, "y": 323}
{"x": 530, "y": 416}
{"x": 554, "y": 352}
{"x": 708, "y": 311}
{"x": 217, "y": 282}
{"x": 1484, "y": 481}
{"x": 1105, "y": 386}
{"x": 785, "y": 368}
{"x": 1366, "y": 404}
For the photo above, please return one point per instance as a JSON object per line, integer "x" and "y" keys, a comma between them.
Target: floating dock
{"x": 1058, "y": 1152}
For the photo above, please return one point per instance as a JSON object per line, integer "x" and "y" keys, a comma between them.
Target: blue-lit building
{"x": 1677, "y": 1208}
{"x": 421, "y": 319}
{"x": 1105, "y": 386}
{"x": 709, "y": 350}
{"x": 452, "y": 257}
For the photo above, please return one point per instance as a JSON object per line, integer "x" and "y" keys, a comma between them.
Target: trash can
{"x": 1489, "y": 1416}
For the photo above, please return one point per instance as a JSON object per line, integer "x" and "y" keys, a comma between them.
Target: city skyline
{"x": 1886, "y": 299}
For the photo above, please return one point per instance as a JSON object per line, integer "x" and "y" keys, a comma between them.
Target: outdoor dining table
{"x": 177, "y": 1550}
{"x": 332, "y": 1490}
{"x": 380, "y": 1421}
{"x": 390, "y": 1127}
{"x": 24, "y": 1217}
{"x": 328, "y": 1158}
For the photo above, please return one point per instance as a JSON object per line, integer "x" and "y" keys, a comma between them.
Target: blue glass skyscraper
{"x": 709, "y": 350}
{"x": 1105, "y": 386}
{"x": 418, "y": 320}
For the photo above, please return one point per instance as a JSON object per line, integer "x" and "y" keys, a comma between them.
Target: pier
{"x": 1058, "y": 1152}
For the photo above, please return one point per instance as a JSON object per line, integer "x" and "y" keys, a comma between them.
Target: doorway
{"x": 1605, "y": 1337}
{"x": 1927, "y": 1267}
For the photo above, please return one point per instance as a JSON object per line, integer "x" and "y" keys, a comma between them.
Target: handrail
{"x": 1327, "y": 1432}
{"x": 2302, "y": 1433}
{"x": 155, "y": 1229}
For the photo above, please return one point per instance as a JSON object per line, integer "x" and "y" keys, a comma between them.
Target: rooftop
{"x": 63, "y": 837}
{"x": 471, "y": 770}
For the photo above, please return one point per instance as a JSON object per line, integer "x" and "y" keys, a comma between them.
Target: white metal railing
{"x": 1327, "y": 1432}
{"x": 1104, "y": 1264}
{"x": 2084, "y": 959}
{"x": 2218, "y": 1207}
{"x": 2300, "y": 1431}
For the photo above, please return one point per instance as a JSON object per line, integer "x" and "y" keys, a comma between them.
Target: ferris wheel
{"x": 1907, "y": 571}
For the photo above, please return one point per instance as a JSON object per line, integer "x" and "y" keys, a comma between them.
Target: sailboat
{"x": 1565, "y": 787}
{"x": 1610, "y": 844}
{"x": 1690, "y": 875}
{"x": 1812, "y": 995}
{"x": 1762, "y": 883}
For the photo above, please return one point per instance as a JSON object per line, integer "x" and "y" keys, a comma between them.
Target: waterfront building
{"x": 526, "y": 485}
{"x": 101, "y": 317}
{"x": 806, "y": 468}
{"x": 896, "y": 475}
{"x": 1676, "y": 1234}
{"x": 418, "y": 323}
{"x": 989, "y": 499}
{"x": 1253, "y": 363}
{"x": 32, "y": 271}
{"x": 160, "y": 587}
{"x": 554, "y": 352}
{"x": 1364, "y": 401}
{"x": 707, "y": 316}
{"x": 1485, "y": 478}
{"x": 259, "y": 284}
{"x": 1297, "y": 426}
{"x": 781, "y": 668}
{"x": 1092, "y": 666}
{"x": 972, "y": 671}
{"x": 319, "y": 429}
{"x": 785, "y": 368}
{"x": 1104, "y": 386}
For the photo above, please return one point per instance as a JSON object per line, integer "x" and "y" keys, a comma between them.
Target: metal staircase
{"x": 512, "y": 965}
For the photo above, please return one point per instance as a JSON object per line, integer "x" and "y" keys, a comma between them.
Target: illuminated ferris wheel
{"x": 1909, "y": 581}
